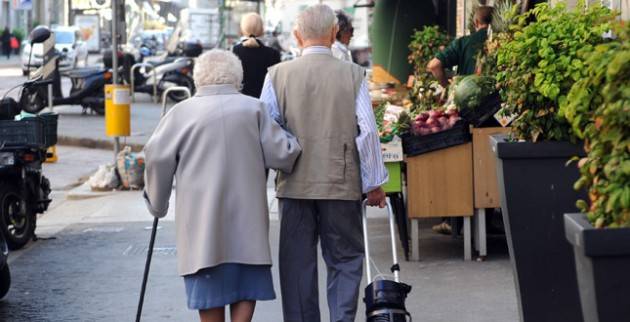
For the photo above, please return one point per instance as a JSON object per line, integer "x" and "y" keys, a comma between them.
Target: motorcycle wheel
{"x": 98, "y": 109}
{"x": 32, "y": 102}
{"x": 181, "y": 80}
{"x": 18, "y": 229}
{"x": 5, "y": 281}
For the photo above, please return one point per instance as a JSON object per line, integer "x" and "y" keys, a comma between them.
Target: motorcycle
{"x": 173, "y": 69}
{"x": 24, "y": 190}
{"x": 5, "y": 274}
{"x": 88, "y": 90}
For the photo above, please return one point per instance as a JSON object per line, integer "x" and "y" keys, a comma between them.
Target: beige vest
{"x": 317, "y": 99}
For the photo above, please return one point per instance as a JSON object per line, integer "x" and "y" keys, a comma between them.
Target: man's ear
{"x": 298, "y": 38}
{"x": 335, "y": 30}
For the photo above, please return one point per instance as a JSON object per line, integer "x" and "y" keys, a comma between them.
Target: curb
{"x": 94, "y": 143}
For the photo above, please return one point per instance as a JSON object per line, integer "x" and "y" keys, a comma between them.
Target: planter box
{"x": 536, "y": 189}
{"x": 602, "y": 258}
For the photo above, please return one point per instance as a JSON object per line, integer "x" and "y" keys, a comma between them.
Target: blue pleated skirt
{"x": 229, "y": 283}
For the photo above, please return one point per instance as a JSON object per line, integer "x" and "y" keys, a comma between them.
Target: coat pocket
{"x": 322, "y": 161}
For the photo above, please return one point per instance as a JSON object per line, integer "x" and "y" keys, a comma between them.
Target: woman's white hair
{"x": 216, "y": 67}
{"x": 316, "y": 21}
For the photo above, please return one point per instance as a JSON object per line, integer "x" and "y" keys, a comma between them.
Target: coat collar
{"x": 221, "y": 89}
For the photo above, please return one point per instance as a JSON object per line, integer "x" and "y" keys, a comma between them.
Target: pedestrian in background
{"x": 6, "y": 42}
{"x": 344, "y": 34}
{"x": 217, "y": 145}
{"x": 325, "y": 102}
{"x": 255, "y": 56}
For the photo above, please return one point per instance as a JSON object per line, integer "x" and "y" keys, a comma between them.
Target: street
{"x": 87, "y": 263}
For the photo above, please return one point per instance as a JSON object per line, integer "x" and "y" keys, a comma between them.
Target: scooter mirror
{"x": 39, "y": 34}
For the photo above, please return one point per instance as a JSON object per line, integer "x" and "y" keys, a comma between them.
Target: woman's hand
{"x": 376, "y": 197}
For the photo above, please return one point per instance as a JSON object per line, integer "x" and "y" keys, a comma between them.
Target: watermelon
{"x": 472, "y": 89}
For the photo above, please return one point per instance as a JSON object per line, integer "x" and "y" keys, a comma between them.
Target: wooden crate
{"x": 485, "y": 167}
{"x": 440, "y": 183}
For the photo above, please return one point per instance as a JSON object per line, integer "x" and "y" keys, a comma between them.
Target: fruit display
{"x": 434, "y": 121}
{"x": 390, "y": 121}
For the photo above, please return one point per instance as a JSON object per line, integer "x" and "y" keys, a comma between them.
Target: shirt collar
{"x": 321, "y": 50}
{"x": 340, "y": 45}
{"x": 220, "y": 89}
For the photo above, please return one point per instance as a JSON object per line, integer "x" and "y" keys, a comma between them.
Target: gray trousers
{"x": 337, "y": 224}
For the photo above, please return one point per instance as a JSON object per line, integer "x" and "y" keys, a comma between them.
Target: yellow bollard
{"x": 52, "y": 152}
{"x": 117, "y": 110}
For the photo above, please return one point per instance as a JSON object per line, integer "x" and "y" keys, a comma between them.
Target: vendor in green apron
{"x": 462, "y": 52}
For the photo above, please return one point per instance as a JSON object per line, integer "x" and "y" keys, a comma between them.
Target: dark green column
{"x": 392, "y": 26}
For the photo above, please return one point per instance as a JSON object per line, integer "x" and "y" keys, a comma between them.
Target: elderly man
{"x": 325, "y": 103}
{"x": 344, "y": 35}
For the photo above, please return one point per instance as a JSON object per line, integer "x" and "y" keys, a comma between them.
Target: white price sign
{"x": 392, "y": 151}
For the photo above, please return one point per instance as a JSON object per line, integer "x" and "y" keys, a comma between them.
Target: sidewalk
{"x": 92, "y": 270}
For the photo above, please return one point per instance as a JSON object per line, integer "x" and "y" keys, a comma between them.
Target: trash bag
{"x": 130, "y": 167}
{"x": 105, "y": 179}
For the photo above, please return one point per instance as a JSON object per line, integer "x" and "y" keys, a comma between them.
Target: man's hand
{"x": 376, "y": 197}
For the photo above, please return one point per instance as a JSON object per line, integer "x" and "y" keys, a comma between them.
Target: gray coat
{"x": 217, "y": 146}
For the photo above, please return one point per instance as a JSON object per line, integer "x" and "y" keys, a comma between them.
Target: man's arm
{"x": 268, "y": 96}
{"x": 373, "y": 172}
{"x": 436, "y": 68}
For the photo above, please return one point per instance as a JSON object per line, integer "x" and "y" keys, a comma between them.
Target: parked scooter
{"x": 173, "y": 69}
{"x": 88, "y": 88}
{"x": 24, "y": 191}
{"x": 5, "y": 274}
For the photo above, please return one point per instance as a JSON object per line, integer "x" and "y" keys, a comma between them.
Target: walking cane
{"x": 155, "y": 221}
{"x": 146, "y": 269}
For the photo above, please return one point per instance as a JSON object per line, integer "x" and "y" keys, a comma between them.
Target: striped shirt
{"x": 373, "y": 172}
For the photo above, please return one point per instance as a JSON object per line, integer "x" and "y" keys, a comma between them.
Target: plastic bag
{"x": 131, "y": 169}
{"x": 105, "y": 179}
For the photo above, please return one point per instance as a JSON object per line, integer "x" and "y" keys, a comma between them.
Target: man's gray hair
{"x": 216, "y": 67}
{"x": 316, "y": 21}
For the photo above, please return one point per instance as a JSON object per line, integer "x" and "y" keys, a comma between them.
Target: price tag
{"x": 392, "y": 151}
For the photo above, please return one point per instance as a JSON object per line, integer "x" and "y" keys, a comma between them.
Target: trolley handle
{"x": 395, "y": 267}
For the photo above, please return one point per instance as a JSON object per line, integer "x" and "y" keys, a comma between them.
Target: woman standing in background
{"x": 255, "y": 56}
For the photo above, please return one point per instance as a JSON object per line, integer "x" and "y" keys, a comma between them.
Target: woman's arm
{"x": 161, "y": 156}
{"x": 280, "y": 148}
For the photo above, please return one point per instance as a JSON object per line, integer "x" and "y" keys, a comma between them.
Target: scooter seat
{"x": 84, "y": 72}
{"x": 161, "y": 62}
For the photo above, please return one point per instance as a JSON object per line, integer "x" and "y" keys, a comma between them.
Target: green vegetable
{"x": 471, "y": 90}
{"x": 424, "y": 45}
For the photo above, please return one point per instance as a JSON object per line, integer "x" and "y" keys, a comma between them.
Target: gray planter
{"x": 536, "y": 189}
{"x": 602, "y": 259}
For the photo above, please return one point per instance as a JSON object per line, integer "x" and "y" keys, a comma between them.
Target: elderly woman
{"x": 217, "y": 145}
{"x": 256, "y": 57}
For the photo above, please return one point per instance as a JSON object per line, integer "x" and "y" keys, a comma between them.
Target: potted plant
{"x": 598, "y": 107}
{"x": 536, "y": 68}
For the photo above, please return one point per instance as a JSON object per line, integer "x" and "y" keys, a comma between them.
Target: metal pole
{"x": 115, "y": 63}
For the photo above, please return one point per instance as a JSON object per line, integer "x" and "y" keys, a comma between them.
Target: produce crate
{"x": 440, "y": 183}
{"x": 394, "y": 169}
{"x": 490, "y": 105}
{"x": 27, "y": 132}
{"x": 416, "y": 145}
{"x": 50, "y": 127}
{"x": 485, "y": 167}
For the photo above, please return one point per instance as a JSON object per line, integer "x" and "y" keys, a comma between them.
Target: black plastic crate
{"x": 477, "y": 116}
{"x": 28, "y": 132}
{"x": 415, "y": 145}
{"x": 50, "y": 127}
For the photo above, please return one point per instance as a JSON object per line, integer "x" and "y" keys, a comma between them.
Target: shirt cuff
{"x": 377, "y": 184}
